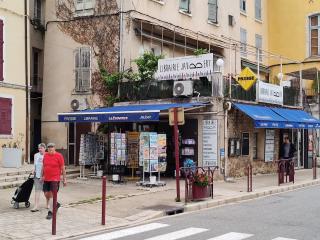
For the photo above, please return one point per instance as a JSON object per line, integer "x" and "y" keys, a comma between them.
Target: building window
{"x": 315, "y": 35}
{"x": 245, "y": 144}
{"x": 84, "y": 7}
{"x": 37, "y": 10}
{"x": 258, "y": 47}
{"x": 83, "y": 69}
{"x": 243, "y": 44}
{"x": 5, "y": 116}
{"x": 213, "y": 11}
{"x": 255, "y": 146}
{"x": 258, "y": 9}
{"x": 185, "y": 6}
{"x": 243, "y": 6}
{"x": 1, "y": 51}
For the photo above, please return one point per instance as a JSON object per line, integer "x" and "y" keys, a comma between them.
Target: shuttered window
{"x": 259, "y": 47}
{"x": 213, "y": 10}
{"x": 1, "y": 50}
{"x": 243, "y": 44}
{"x": 185, "y": 5}
{"x": 243, "y": 6}
{"x": 5, "y": 116}
{"x": 315, "y": 35}
{"x": 84, "y": 7}
{"x": 82, "y": 69}
{"x": 258, "y": 9}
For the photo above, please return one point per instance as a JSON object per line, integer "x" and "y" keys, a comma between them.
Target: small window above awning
{"x": 129, "y": 113}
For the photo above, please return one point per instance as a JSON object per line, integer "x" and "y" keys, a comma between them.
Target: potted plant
{"x": 12, "y": 153}
{"x": 200, "y": 186}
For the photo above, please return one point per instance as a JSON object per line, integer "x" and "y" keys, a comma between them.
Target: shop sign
{"x": 210, "y": 143}
{"x": 185, "y": 67}
{"x": 269, "y": 145}
{"x": 112, "y": 117}
{"x": 269, "y": 93}
{"x": 246, "y": 78}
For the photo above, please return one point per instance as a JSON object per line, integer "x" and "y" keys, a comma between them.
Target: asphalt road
{"x": 286, "y": 216}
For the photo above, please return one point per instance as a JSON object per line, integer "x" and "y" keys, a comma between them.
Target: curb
{"x": 247, "y": 196}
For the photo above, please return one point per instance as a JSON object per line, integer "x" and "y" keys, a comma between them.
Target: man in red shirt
{"x": 53, "y": 166}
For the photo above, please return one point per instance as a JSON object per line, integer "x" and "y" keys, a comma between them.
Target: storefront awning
{"x": 263, "y": 117}
{"x": 298, "y": 118}
{"x": 271, "y": 117}
{"x": 129, "y": 113}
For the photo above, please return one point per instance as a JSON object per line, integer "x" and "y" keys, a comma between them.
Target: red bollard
{"x": 54, "y": 209}
{"x": 249, "y": 178}
{"x": 314, "y": 168}
{"x": 103, "y": 215}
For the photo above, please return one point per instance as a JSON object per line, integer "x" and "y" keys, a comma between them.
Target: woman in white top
{"x": 37, "y": 172}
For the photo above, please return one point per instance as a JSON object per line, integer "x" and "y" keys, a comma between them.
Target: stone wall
{"x": 238, "y": 123}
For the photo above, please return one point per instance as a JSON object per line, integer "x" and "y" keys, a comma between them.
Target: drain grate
{"x": 167, "y": 209}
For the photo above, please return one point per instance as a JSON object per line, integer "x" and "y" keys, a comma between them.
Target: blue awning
{"x": 271, "y": 117}
{"x": 129, "y": 113}
{"x": 298, "y": 118}
{"x": 263, "y": 117}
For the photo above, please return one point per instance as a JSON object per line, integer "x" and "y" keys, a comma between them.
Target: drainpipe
{"x": 318, "y": 110}
{"x": 120, "y": 43}
{"x": 27, "y": 157}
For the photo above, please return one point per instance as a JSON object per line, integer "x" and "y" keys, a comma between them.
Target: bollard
{"x": 54, "y": 208}
{"x": 103, "y": 215}
{"x": 314, "y": 168}
{"x": 249, "y": 178}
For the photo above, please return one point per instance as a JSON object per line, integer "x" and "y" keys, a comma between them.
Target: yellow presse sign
{"x": 246, "y": 78}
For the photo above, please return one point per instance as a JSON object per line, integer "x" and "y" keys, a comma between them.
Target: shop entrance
{"x": 297, "y": 137}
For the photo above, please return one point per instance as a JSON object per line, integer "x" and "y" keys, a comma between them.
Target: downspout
{"x": 27, "y": 158}
{"x": 120, "y": 44}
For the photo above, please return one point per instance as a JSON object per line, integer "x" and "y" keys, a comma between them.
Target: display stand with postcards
{"x": 133, "y": 153}
{"x": 152, "y": 157}
{"x": 118, "y": 156}
{"x": 92, "y": 151}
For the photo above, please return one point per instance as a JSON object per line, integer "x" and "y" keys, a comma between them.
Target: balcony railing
{"x": 164, "y": 89}
{"x": 290, "y": 94}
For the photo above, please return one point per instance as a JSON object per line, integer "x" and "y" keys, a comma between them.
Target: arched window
{"x": 314, "y": 35}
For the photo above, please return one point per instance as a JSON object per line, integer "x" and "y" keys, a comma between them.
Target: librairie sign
{"x": 185, "y": 67}
{"x": 269, "y": 93}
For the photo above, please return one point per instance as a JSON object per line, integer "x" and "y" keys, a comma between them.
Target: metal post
{"x": 103, "y": 215}
{"x": 176, "y": 148}
{"x": 230, "y": 69}
{"x": 54, "y": 209}
{"x": 300, "y": 84}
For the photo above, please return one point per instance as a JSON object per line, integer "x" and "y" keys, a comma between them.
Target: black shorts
{"x": 49, "y": 186}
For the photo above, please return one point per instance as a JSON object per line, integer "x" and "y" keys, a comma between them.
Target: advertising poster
{"x": 210, "y": 142}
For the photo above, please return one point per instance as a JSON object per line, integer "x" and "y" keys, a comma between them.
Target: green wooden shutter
{"x": 213, "y": 10}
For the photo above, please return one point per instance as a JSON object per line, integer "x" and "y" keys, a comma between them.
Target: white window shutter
{"x": 79, "y": 5}
{"x": 213, "y": 10}
{"x": 89, "y": 4}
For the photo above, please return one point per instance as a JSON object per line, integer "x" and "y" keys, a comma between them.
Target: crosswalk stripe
{"x": 232, "y": 236}
{"x": 127, "y": 232}
{"x": 281, "y": 238}
{"x": 179, "y": 234}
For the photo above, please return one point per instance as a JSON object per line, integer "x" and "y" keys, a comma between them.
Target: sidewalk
{"x": 127, "y": 204}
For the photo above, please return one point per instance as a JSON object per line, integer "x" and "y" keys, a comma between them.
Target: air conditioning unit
{"x": 79, "y": 104}
{"x": 183, "y": 88}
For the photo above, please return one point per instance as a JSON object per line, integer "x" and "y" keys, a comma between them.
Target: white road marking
{"x": 127, "y": 232}
{"x": 281, "y": 238}
{"x": 232, "y": 236}
{"x": 179, "y": 234}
